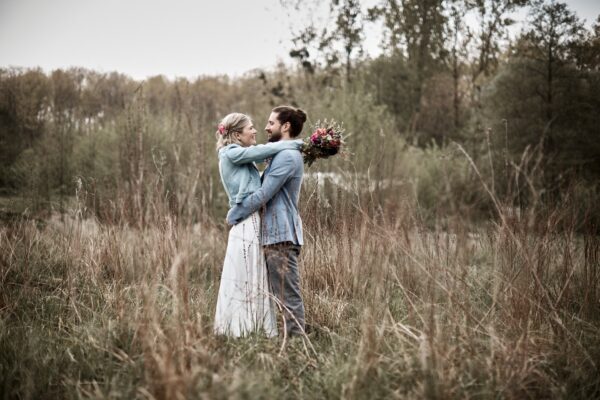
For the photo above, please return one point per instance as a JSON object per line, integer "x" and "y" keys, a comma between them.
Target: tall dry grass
{"x": 397, "y": 308}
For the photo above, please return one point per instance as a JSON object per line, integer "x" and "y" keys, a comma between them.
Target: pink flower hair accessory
{"x": 222, "y": 129}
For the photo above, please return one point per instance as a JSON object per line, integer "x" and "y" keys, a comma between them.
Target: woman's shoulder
{"x": 229, "y": 146}
{"x": 225, "y": 149}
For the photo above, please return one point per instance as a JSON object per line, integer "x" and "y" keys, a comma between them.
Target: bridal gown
{"x": 244, "y": 302}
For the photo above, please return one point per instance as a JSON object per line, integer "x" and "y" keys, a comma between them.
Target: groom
{"x": 282, "y": 226}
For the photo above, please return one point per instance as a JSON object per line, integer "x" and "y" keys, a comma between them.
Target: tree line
{"x": 515, "y": 105}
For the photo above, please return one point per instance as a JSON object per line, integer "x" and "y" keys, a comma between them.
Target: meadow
{"x": 453, "y": 253}
{"x": 397, "y": 308}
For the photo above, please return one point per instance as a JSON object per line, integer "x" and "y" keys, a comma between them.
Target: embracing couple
{"x": 260, "y": 271}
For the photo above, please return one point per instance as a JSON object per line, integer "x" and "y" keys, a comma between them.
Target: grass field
{"x": 509, "y": 309}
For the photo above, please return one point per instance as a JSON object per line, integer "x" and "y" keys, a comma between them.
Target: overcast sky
{"x": 171, "y": 37}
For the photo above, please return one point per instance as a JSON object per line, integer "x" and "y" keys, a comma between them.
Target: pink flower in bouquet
{"x": 325, "y": 141}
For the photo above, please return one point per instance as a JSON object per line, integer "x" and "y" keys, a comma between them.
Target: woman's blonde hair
{"x": 231, "y": 124}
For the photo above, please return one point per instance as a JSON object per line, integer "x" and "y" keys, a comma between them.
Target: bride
{"x": 244, "y": 302}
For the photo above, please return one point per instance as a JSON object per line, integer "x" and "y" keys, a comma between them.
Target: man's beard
{"x": 275, "y": 137}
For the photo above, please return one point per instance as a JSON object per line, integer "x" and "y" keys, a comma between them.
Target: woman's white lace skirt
{"x": 244, "y": 302}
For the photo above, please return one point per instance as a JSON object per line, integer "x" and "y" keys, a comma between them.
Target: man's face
{"x": 273, "y": 128}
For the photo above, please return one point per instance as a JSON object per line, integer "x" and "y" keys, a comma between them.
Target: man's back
{"x": 281, "y": 218}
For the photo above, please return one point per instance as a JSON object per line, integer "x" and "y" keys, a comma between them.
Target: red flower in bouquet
{"x": 326, "y": 140}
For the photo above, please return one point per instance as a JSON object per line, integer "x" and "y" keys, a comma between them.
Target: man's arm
{"x": 281, "y": 170}
{"x": 258, "y": 153}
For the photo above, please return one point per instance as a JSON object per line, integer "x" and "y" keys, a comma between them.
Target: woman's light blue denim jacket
{"x": 239, "y": 174}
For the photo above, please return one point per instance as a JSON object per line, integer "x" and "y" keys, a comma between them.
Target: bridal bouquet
{"x": 326, "y": 141}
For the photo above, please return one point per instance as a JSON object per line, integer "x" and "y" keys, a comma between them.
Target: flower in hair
{"x": 222, "y": 129}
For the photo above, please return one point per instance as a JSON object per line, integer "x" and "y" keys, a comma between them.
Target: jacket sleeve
{"x": 258, "y": 153}
{"x": 282, "y": 168}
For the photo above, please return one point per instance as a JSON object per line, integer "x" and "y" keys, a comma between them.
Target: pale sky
{"x": 142, "y": 38}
